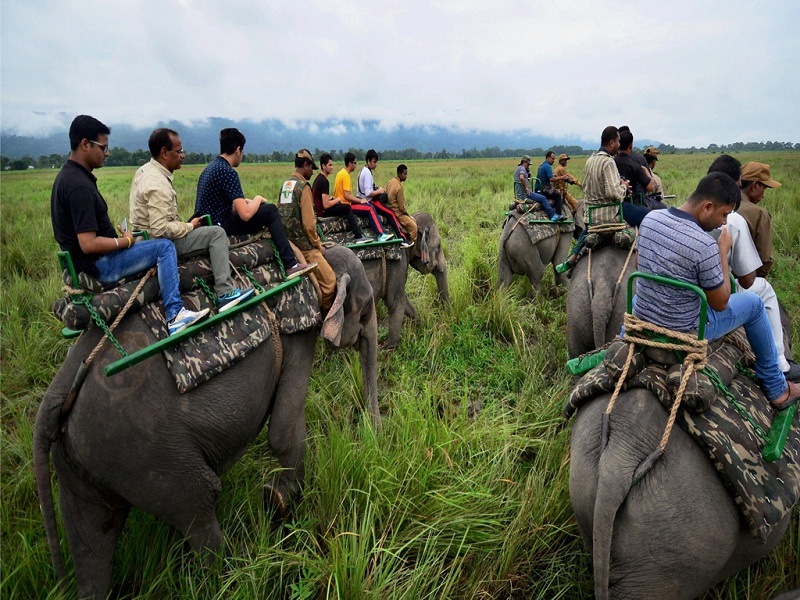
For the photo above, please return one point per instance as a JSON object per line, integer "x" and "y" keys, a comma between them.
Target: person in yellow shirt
{"x": 343, "y": 190}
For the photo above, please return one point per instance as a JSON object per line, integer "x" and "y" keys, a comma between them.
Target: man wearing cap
{"x": 651, "y": 156}
{"x": 524, "y": 193}
{"x": 545, "y": 179}
{"x": 756, "y": 179}
{"x": 396, "y": 200}
{"x": 561, "y": 178}
{"x": 296, "y": 208}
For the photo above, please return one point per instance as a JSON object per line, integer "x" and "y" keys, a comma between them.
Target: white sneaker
{"x": 185, "y": 318}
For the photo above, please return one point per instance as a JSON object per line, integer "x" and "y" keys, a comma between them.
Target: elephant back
{"x": 729, "y": 425}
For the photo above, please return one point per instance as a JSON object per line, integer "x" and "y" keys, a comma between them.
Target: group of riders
{"x": 719, "y": 231}
{"x": 82, "y": 226}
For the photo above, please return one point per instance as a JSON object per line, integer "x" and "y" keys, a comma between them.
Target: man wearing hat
{"x": 296, "y": 208}
{"x": 651, "y": 156}
{"x": 562, "y": 177}
{"x": 523, "y": 191}
{"x": 756, "y": 179}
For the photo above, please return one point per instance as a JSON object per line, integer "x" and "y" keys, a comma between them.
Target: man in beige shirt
{"x": 396, "y": 200}
{"x": 756, "y": 178}
{"x": 154, "y": 208}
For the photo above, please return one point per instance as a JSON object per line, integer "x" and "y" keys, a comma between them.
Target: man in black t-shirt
{"x": 81, "y": 225}
{"x": 631, "y": 169}
{"x": 326, "y": 205}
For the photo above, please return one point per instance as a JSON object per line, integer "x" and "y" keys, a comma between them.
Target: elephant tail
{"x": 45, "y": 433}
{"x": 602, "y": 309}
{"x": 613, "y": 485}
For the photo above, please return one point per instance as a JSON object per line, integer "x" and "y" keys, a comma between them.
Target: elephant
{"x": 595, "y": 308}
{"x": 675, "y": 533}
{"x": 427, "y": 257}
{"x": 132, "y": 440}
{"x": 519, "y": 256}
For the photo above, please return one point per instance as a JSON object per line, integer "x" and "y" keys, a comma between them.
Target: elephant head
{"x": 427, "y": 256}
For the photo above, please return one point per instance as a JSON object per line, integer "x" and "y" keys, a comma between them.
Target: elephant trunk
{"x": 614, "y": 481}
{"x": 440, "y": 273}
{"x": 368, "y": 355}
{"x": 45, "y": 433}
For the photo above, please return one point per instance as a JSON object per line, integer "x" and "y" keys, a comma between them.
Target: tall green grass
{"x": 462, "y": 494}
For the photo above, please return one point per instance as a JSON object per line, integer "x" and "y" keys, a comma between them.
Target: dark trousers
{"x": 556, "y": 200}
{"x": 632, "y": 214}
{"x": 266, "y": 216}
{"x": 344, "y": 210}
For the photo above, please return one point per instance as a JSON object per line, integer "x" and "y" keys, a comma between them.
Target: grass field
{"x": 436, "y": 505}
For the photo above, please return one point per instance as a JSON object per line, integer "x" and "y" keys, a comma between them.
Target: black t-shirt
{"x": 321, "y": 186}
{"x": 632, "y": 171}
{"x": 76, "y": 206}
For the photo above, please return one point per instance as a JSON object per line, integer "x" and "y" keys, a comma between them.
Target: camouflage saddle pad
{"x": 764, "y": 492}
{"x": 336, "y": 229}
{"x": 537, "y": 231}
{"x": 212, "y": 351}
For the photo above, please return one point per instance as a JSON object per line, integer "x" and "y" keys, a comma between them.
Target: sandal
{"x": 792, "y": 396}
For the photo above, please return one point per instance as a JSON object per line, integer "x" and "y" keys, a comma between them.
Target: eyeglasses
{"x": 180, "y": 151}
{"x": 103, "y": 147}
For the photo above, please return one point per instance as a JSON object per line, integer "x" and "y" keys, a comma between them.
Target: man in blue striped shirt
{"x": 675, "y": 243}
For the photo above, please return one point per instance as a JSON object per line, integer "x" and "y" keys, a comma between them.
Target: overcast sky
{"x": 685, "y": 73}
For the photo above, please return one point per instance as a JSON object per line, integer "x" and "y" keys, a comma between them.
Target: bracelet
{"x": 130, "y": 242}
{"x": 116, "y": 241}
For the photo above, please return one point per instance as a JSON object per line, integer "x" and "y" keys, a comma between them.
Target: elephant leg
{"x": 191, "y": 507}
{"x": 411, "y": 310}
{"x": 93, "y": 522}
{"x": 397, "y": 312}
{"x": 504, "y": 272}
{"x": 287, "y": 421}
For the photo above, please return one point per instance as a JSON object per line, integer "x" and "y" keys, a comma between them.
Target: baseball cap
{"x": 564, "y": 157}
{"x": 526, "y": 158}
{"x": 756, "y": 171}
{"x": 651, "y": 151}
{"x": 304, "y": 153}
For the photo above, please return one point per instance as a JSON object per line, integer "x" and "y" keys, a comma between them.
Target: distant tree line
{"x": 119, "y": 157}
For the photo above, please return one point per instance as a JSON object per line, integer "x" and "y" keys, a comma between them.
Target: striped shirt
{"x": 601, "y": 181}
{"x": 672, "y": 244}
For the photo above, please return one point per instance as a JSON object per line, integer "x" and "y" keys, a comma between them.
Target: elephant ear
{"x": 332, "y": 326}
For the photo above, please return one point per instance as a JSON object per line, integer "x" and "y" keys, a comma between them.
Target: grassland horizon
{"x": 437, "y": 504}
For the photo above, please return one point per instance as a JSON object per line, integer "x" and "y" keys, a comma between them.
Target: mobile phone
{"x": 124, "y": 225}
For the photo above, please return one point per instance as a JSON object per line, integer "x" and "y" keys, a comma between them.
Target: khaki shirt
{"x": 154, "y": 203}
{"x": 759, "y": 223}
{"x": 397, "y": 196}
{"x": 307, "y": 214}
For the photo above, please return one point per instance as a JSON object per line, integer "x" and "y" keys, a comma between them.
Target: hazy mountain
{"x": 267, "y": 136}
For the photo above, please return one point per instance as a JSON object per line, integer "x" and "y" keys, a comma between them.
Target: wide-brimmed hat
{"x": 756, "y": 171}
{"x": 652, "y": 152}
{"x": 563, "y": 157}
{"x": 305, "y": 153}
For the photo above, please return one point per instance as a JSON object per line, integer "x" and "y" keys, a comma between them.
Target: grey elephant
{"x": 672, "y": 535}
{"x": 133, "y": 440}
{"x": 596, "y": 305}
{"x": 427, "y": 257}
{"x": 520, "y": 255}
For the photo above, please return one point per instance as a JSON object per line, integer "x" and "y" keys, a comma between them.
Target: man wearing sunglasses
{"x": 81, "y": 225}
{"x": 154, "y": 208}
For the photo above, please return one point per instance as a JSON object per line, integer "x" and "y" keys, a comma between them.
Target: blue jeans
{"x": 141, "y": 256}
{"x": 746, "y": 309}
{"x": 541, "y": 199}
